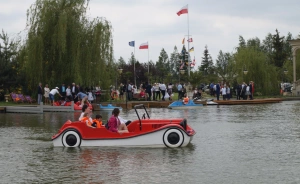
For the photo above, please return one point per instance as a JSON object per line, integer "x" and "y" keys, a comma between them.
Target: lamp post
{"x": 181, "y": 72}
{"x": 285, "y": 72}
{"x": 245, "y": 71}
{"x": 120, "y": 70}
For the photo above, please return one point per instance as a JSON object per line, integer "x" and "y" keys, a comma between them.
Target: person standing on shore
{"x": 163, "y": 88}
{"x": 40, "y": 93}
{"x": 218, "y": 90}
{"x": 52, "y": 94}
{"x": 179, "y": 89}
{"x": 46, "y": 93}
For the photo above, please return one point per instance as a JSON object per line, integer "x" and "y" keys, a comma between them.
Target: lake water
{"x": 233, "y": 144}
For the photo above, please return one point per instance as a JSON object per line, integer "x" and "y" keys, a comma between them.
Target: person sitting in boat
{"x": 114, "y": 124}
{"x": 83, "y": 97}
{"x": 124, "y": 121}
{"x": 87, "y": 119}
{"x": 97, "y": 122}
{"x": 185, "y": 99}
{"x": 85, "y": 109}
{"x": 197, "y": 94}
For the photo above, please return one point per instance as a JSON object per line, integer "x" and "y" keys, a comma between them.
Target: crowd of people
{"x": 147, "y": 91}
{"x": 242, "y": 91}
{"x": 67, "y": 93}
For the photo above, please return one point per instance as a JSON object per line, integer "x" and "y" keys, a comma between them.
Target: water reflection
{"x": 233, "y": 144}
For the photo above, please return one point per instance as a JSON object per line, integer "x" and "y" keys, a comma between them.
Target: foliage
{"x": 258, "y": 69}
{"x": 8, "y": 63}
{"x": 64, "y": 46}
{"x": 279, "y": 54}
{"x": 225, "y": 66}
{"x": 207, "y": 65}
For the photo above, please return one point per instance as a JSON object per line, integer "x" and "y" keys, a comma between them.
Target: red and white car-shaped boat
{"x": 144, "y": 132}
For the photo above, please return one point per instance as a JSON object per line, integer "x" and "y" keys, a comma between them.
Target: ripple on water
{"x": 233, "y": 144}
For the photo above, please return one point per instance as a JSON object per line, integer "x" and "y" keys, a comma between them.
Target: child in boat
{"x": 97, "y": 122}
{"x": 185, "y": 99}
{"x": 86, "y": 119}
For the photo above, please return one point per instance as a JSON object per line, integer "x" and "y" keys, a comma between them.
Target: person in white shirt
{"x": 124, "y": 121}
{"x": 69, "y": 94}
{"x": 228, "y": 92}
{"x": 129, "y": 91}
{"x": 156, "y": 96}
{"x": 52, "y": 94}
{"x": 162, "y": 88}
{"x": 46, "y": 93}
{"x": 223, "y": 90}
{"x": 134, "y": 89}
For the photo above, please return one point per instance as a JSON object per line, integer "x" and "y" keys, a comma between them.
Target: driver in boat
{"x": 114, "y": 123}
{"x": 85, "y": 109}
{"x": 185, "y": 99}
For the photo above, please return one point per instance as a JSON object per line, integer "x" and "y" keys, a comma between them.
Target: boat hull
{"x": 154, "y": 139}
{"x": 109, "y": 107}
{"x": 180, "y": 105}
{"x": 187, "y": 107}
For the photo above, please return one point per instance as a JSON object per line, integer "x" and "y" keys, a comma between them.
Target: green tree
{"x": 225, "y": 67}
{"x": 263, "y": 74}
{"x": 63, "y": 45}
{"x": 8, "y": 63}
{"x": 279, "y": 54}
{"x": 162, "y": 65}
{"x": 174, "y": 59}
{"x": 207, "y": 65}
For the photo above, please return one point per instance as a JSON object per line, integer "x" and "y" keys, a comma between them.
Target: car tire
{"x": 173, "y": 138}
{"x": 71, "y": 138}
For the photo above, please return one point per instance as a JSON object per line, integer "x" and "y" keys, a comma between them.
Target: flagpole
{"x": 134, "y": 66}
{"x": 148, "y": 63}
{"x": 189, "y": 67}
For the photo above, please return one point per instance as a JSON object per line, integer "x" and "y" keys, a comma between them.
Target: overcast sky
{"x": 215, "y": 23}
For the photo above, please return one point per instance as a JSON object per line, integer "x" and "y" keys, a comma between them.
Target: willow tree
{"x": 64, "y": 46}
{"x": 259, "y": 70}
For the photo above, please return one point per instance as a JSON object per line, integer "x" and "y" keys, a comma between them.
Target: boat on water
{"x": 77, "y": 105}
{"x": 108, "y": 107}
{"x": 181, "y": 105}
{"x": 207, "y": 102}
{"x": 143, "y": 132}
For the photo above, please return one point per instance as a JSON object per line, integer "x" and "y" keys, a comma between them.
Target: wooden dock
{"x": 38, "y": 109}
{"x": 245, "y": 102}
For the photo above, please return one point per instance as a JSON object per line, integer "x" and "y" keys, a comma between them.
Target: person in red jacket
{"x": 114, "y": 124}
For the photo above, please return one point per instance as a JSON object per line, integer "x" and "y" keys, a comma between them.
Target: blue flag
{"x": 131, "y": 43}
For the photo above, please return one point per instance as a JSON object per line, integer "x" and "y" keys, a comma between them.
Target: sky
{"x": 215, "y": 23}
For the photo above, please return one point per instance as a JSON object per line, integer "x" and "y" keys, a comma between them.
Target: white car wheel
{"x": 71, "y": 139}
{"x": 173, "y": 138}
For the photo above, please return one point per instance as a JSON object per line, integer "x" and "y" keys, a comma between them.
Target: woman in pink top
{"x": 114, "y": 123}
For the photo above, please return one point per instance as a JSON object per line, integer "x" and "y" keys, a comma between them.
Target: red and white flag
{"x": 190, "y": 40}
{"x": 193, "y": 63}
{"x": 183, "y": 10}
{"x": 181, "y": 67}
{"x": 144, "y": 45}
